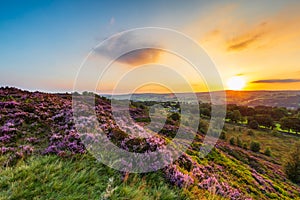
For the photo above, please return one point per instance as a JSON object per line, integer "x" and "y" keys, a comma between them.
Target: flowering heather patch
{"x": 62, "y": 144}
{"x": 204, "y": 177}
{"x": 4, "y": 150}
{"x": 5, "y": 138}
{"x": 177, "y": 177}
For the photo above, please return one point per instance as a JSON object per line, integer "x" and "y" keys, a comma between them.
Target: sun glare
{"x": 236, "y": 83}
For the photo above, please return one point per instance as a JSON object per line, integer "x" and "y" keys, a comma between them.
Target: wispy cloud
{"x": 277, "y": 81}
{"x": 244, "y": 41}
{"x": 278, "y": 30}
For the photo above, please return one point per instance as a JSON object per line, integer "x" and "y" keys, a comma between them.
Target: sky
{"x": 44, "y": 43}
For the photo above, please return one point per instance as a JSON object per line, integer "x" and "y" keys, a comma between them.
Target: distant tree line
{"x": 254, "y": 117}
{"x": 259, "y": 116}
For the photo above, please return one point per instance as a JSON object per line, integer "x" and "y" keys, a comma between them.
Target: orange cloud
{"x": 279, "y": 30}
{"x": 140, "y": 57}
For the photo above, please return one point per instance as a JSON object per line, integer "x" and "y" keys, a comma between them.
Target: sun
{"x": 236, "y": 83}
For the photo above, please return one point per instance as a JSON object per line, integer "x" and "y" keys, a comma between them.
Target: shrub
{"x": 292, "y": 166}
{"x": 175, "y": 117}
{"x": 253, "y": 124}
{"x": 223, "y": 135}
{"x": 268, "y": 152}
{"x": 255, "y": 146}
{"x": 232, "y": 141}
{"x": 245, "y": 146}
{"x": 203, "y": 126}
{"x": 239, "y": 142}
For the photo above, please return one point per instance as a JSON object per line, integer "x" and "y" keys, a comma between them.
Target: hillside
{"x": 42, "y": 157}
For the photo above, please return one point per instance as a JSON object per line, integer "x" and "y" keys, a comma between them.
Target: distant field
{"x": 279, "y": 143}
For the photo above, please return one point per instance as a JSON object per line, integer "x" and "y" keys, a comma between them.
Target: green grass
{"x": 280, "y": 144}
{"x": 52, "y": 177}
{"x": 82, "y": 177}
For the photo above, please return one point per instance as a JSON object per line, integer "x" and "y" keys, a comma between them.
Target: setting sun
{"x": 236, "y": 83}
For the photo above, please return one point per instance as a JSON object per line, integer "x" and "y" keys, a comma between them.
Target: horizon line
{"x": 145, "y": 93}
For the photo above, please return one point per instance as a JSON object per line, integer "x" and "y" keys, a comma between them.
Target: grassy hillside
{"x": 42, "y": 157}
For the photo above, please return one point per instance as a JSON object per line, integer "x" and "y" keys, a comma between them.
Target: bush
{"x": 203, "y": 126}
{"x": 253, "y": 124}
{"x": 250, "y": 133}
{"x": 175, "y": 117}
{"x": 232, "y": 141}
{"x": 239, "y": 142}
{"x": 268, "y": 152}
{"x": 255, "y": 146}
{"x": 245, "y": 146}
{"x": 292, "y": 166}
{"x": 223, "y": 135}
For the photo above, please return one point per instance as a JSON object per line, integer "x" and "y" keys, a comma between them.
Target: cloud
{"x": 140, "y": 57}
{"x": 130, "y": 49}
{"x": 233, "y": 33}
{"x": 243, "y": 42}
{"x": 277, "y": 81}
{"x": 251, "y": 38}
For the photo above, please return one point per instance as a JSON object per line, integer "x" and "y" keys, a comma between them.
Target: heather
{"x": 42, "y": 156}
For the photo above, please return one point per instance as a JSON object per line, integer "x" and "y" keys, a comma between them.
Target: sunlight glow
{"x": 236, "y": 83}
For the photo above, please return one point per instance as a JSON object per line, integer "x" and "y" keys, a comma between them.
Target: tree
{"x": 290, "y": 123}
{"x": 250, "y": 111}
{"x": 263, "y": 110}
{"x": 234, "y": 116}
{"x": 253, "y": 124}
{"x": 286, "y": 124}
{"x": 205, "y": 111}
{"x": 175, "y": 116}
{"x": 278, "y": 113}
{"x": 292, "y": 166}
{"x": 264, "y": 120}
{"x": 255, "y": 146}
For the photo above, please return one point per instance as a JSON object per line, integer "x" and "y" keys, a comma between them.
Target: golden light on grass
{"x": 236, "y": 83}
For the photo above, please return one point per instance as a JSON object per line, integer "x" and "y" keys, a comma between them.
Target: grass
{"x": 52, "y": 177}
{"x": 279, "y": 144}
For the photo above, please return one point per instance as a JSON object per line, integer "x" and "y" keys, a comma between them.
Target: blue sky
{"x": 44, "y": 42}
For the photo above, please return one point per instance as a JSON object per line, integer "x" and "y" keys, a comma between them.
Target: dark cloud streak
{"x": 277, "y": 81}
{"x": 238, "y": 44}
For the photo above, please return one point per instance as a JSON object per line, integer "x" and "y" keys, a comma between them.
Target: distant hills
{"x": 288, "y": 99}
